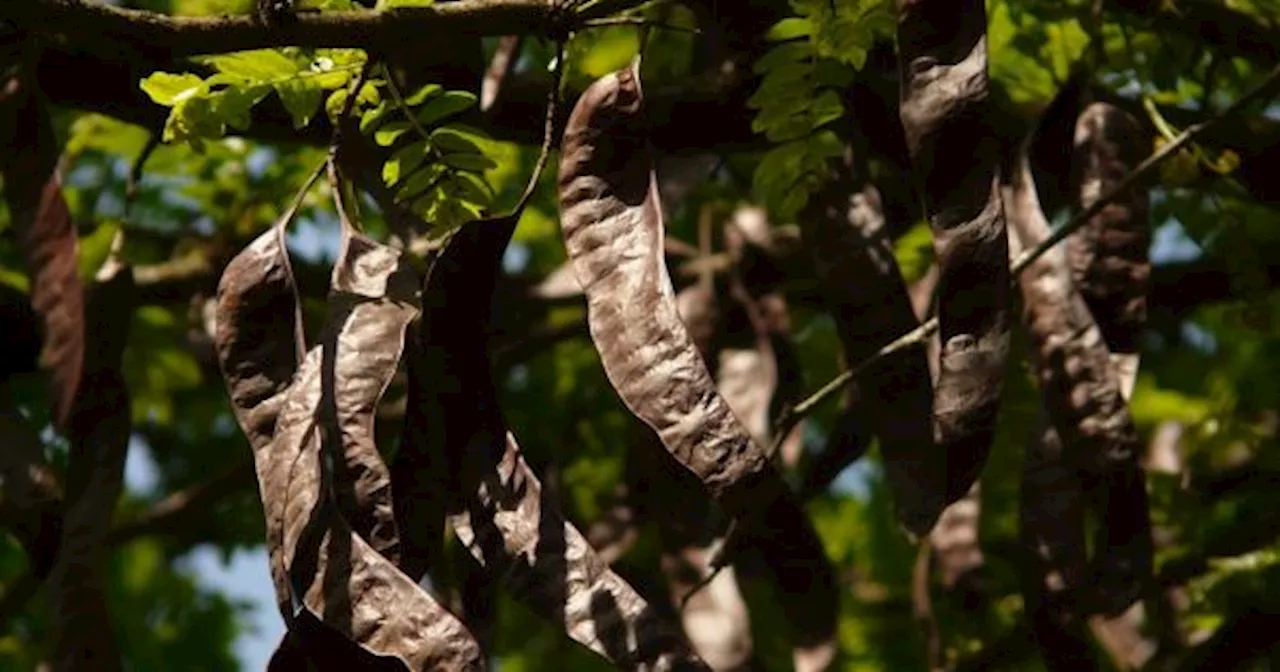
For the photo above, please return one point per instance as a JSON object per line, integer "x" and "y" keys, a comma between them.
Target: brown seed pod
{"x": 943, "y": 56}
{"x": 333, "y": 573}
{"x": 493, "y": 500}
{"x": 99, "y": 428}
{"x": 613, "y": 230}
{"x": 46, "y": 234}
{"x": 1082, "y": 393}
{"x": 1109, "y": 254}
{"x": 388, "y": 619}
{"x": 373, "y": 296}
{"x": 864, "y": 292}
{"x": 259, "y": 341}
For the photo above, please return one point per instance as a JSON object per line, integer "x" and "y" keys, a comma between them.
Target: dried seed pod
{"x": 613, "y": 230}
{"x": 333, "y": 573}
{"x": 1109, "y": 254}
{"x": 33, "y": 189}
{"x": 494, "y": 502}
{"x": 388, "y": 619}
{"x": 99, "y": 428}
{"x": 259, "y": 341}
{"x": 373, "y": 296}
{"x": 1055, "y": 566}
{"x": 864, "y": 291}
{"x": 943, "y": 57}
{"x": 1081, "y": 391}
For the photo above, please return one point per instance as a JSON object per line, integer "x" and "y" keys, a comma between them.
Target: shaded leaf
{"x": 447, "y": 104}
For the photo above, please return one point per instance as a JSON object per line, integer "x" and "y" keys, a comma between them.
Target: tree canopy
{"x": 812, "y": 334}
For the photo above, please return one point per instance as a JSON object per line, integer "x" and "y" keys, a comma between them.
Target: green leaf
{"x": 421, "y": 95}
{"x": 302, "y": 99}
{"x": 785, "y": 53}
{"x": 419, "y": 181}
{"x": 391, "y": 4}
{"x": 169, "y": 89}
{"x": 472, "y": 188}
{"x": 448, "y": 104}
{"x": 261, "y": 65}
{"x": 234, "y": 104}
{"x": 403, "y": 162}
{"x": 449, "y": 140}
{"x": 790, "y": 28}
{"x": 94, "y": 249}
{"x": 388, "y": 134}
{"x": 370, "y": 120}
{"x": 826, "y": 108}
{"x": 335, "y": 103}
{"x": 473, "y": 162}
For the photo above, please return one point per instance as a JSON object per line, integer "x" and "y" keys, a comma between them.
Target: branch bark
{"x": 110, "y": 31}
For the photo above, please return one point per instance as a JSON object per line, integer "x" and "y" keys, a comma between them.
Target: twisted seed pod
{"x": 613, "y": 230}
{"x": 944, "y": 116}
{"x": 1109, "y": 254}
{"x": 864, "y": 291}
{"x": 1082, "y": 393}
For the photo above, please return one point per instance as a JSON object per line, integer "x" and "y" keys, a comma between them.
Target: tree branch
{"x": 110, "y": 31}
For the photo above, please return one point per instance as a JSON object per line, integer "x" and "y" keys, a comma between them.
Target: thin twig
{"x": 135, "y": 172}
{"x": 638, "y": 21}
{"x": 548, "y": 132}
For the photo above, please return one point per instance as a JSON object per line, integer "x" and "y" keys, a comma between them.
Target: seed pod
{"x": 99, "y": 428}
{"x": 494, "y": 502}
{"x": 259, "y": 341}
{"x": 333, "y": 573}
{"x": 1109, "y": 254}
{"x": 943, "y": 57}
{"x": 373, "y": 296}
{"x": 1055, "y": 566}
{"x": 46, "y": 236}
{"x": 388, "y": 619}
{"x": 613, "y": 230}
{"x": 864, "y": 292}
{"x": 1082, "y": 393}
